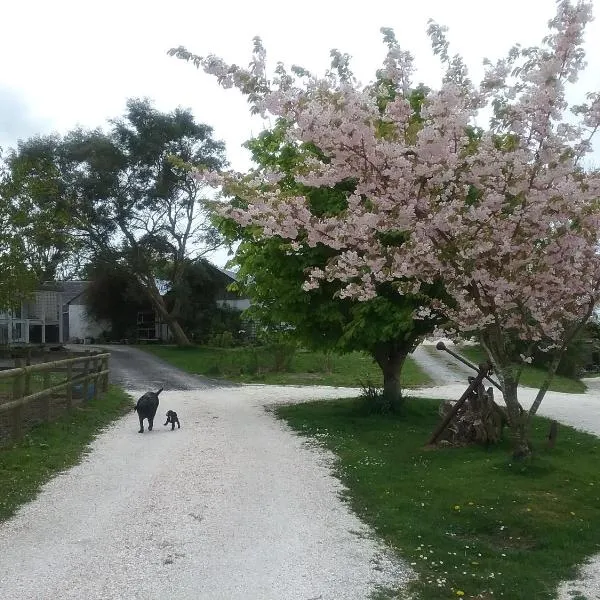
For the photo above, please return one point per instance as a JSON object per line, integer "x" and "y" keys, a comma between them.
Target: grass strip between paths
{"x": 470, "y": 521}
{"x": 258, "y": 365}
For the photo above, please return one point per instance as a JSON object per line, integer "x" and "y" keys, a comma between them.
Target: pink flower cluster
{"x": 506, "y": 217}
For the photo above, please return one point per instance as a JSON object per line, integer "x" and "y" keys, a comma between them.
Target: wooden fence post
{"x": 69, "y": 394}
{"x": 17, "y": 412}
{"x": 105, "y": 364}
{"x": 86, "y": 374}
{"x": 47, "y": 399}
{"x": 27, "y": 389}
{"x": 97, "y": 369}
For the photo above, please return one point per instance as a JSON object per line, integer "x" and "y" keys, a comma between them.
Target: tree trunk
{"x": 181, "y": 339}
{"x": 519, "y": 432}
{"x": 390, "y": 359}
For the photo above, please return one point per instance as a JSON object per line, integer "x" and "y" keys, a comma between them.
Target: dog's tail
{"x": 159, "y": 391}
{"x": 135, "y": 407}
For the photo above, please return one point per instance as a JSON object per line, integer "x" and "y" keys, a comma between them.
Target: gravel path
{"x": 440, "y": 366}
{"x": 231, "y": 506}
{"x": 134, "y": 369}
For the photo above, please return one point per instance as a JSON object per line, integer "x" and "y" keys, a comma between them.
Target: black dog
{"x": 172, "y": 418}
{"x": 146, "y": 409}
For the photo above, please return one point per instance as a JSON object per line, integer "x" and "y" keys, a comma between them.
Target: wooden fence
{"x": 22, "y": 407}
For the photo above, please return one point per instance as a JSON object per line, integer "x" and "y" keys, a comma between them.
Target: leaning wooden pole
{"x": 441, "y": 346}
{"x": 484, "y": 369}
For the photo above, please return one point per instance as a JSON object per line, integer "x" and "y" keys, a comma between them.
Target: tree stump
{"x": 479, "y": 421}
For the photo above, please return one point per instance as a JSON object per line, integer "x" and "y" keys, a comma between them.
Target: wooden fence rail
{"x": 82, "y": 370}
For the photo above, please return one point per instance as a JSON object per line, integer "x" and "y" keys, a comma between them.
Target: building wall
{"x": 238, "y": 304}
{"x": 82, "y": 326}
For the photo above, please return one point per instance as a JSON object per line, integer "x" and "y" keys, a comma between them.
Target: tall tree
{"x": 34, "y": 186}
{"x": 17, "y": 281}
{"x": 506, "y": 217}
{"x": 127, "y": 198}
{"x": 272, "y": 271}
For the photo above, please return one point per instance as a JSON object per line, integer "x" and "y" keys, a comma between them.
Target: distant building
{"x": 57, "y": 314}
{"x": 77, "y": 324}
{"x": 34, "y": 321}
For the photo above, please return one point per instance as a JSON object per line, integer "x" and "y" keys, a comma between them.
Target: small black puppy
{"x": 172, "y": 418}
{"x": 146, "y": 408}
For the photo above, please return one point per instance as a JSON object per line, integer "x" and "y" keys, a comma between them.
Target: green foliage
{"x": 466, "y": 519}
{"x": 125, "y": 194}
{"x": 224, "y": 339}
{"x": 17, "y": 281}
{"x": 36, "y": 191}
{"x": 271, "y": 272}
{"x": 112, "y": 295}
{"x": 261, "y": 363}
{"x": 374, "y": 401}
{"x": 193, "y": 298}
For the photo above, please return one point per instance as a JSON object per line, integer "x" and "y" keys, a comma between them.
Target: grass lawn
{"x": 531, "y": 377}
{"x": 257, "y": 365}
{"x": 50, "y": 448}
{"x": 468, "y": 520}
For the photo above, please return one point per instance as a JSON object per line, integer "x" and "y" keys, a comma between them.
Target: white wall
{"x": 82, "y": 326}
{"x": 241, "y": 304}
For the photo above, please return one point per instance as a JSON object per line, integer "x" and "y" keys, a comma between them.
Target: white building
{"x": 35, "y": 321}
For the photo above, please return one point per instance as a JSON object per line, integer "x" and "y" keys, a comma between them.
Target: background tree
{"x": 120, "y": 194}
{"x": 36, "y": 191}
{"x": 197, "y": 293}
{"x": 113, "y": 296}
{"x": 506, "y": 217}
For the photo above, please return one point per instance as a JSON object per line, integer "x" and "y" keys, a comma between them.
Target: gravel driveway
{"x": 231, "y": 506}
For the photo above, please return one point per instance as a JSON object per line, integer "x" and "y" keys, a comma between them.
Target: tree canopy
{"x": 272, "y": 271}
{"x": 505, "y": 216}
{"x": 125, "y": 194}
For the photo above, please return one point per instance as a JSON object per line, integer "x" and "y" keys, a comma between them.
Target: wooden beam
{"x": 43, "y": 393}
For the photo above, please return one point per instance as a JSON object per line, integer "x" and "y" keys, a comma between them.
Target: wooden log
{"x": 483, "y": 370}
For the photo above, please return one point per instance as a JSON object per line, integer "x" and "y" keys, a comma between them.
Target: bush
{"x": 375, "y": 402}
{"x": 224, "y": 339}
{"x": 283, "y": 355}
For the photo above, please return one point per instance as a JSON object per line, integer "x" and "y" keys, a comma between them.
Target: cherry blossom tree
{"x": 506, "y": 215}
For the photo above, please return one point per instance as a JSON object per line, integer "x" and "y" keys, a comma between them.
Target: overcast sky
{"x": 68, "y": 62}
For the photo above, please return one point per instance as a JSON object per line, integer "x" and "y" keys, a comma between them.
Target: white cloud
{"x": 77, "y": 62}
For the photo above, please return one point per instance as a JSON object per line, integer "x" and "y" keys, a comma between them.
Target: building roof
{"x": 72, "y": 290}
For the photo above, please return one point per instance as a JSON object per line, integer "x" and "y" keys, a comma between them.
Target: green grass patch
{"x": 531, "y": 376}
{"x": 269, "y": 365}
{"x": 49, "y": 448}
{"x": 467, "y": 520}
